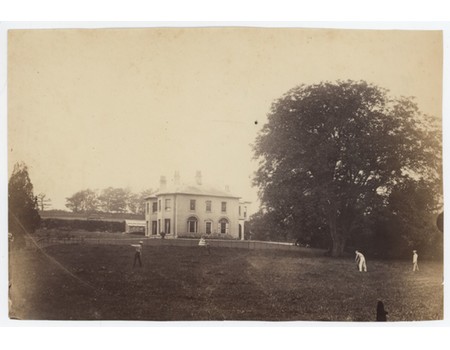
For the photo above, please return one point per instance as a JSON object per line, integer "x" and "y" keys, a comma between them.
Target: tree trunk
{"x": 338, "y": 238}
{"x": 338, "y": 245}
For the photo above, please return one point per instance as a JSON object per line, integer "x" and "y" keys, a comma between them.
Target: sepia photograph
{"x": 232, "y": 173}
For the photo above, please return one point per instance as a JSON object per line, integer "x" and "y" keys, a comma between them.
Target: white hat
{"x": 141, "y": 242}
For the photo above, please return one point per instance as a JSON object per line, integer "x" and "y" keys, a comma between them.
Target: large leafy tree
{"x": 114, "y": 200}
{"x": 337, "y": 150}
{"x": 23, "y": 215}
{"x": 409, "y": 222}
{"x": 85, "y": 201}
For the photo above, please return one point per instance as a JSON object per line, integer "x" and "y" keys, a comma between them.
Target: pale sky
{"x": 120, "y": 107}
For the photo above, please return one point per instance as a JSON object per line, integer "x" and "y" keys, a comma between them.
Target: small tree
{"x": 23, "y": 213}
{"x": 43, "y": 201}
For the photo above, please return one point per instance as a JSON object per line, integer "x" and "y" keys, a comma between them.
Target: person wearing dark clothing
{"x": 381, "y": 313}
{"x": 137, "y": 254}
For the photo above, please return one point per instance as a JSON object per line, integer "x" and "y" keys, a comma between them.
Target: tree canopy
{"x": 112, "y": 200}
{"x": 335, "y": 152}
{"x": 84, "y": 201}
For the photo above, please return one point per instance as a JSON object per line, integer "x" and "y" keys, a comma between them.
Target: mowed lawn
{"x": 185, "y": 283}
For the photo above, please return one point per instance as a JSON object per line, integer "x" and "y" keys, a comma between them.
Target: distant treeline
{"x": 109, "y": 200}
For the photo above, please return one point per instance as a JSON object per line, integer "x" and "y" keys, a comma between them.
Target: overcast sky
{"x": 120, "y": 107}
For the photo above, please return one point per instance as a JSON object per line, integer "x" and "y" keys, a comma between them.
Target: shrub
{"x": 87, "y": 225}
{"x": 207, "y": 236}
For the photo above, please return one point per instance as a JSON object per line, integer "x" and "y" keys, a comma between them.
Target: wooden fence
{"x": 252, "y": 245}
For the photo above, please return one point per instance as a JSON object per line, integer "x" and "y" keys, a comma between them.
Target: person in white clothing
{"x": 360, "y": 261}
{"x": 415, "y": 263}
{"x": 137, "y": 254}
{"x": 203, "y": 243}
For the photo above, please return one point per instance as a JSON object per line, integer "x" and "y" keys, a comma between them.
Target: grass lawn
{"x": 185, "y": 283}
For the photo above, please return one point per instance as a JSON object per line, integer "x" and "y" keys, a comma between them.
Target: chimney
{"x": 198, "y": 177}
{"x": 162, "y": 183}
{"x": 176, "y": 178}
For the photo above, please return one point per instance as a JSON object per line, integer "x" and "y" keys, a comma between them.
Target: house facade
{"x": 193, "y": 210}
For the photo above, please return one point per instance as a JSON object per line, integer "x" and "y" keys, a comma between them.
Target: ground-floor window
{"x": 223, "y": 226}
{"x": 192, "y": 224}
{"x": 208, "y": 228}
{"x": 154, "y": 227}
{"x": 167, "y": 226}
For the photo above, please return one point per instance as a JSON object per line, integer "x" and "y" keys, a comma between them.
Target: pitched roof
{"x": 195, "y": 189}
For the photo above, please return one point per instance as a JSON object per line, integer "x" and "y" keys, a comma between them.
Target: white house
{"x": 194, "y": 209}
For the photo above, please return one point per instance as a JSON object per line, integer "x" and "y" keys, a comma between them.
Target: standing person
{"x": 415, "y": 263}
{"x": 137, "y": 254}
{"x": 361, "y": 261}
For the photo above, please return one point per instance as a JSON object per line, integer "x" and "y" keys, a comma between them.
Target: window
{"x": 154, "y": 227}
{"x": 239, "y": 210}
{"x": 192, "y": 225}
{"x": 146, "y": 228}
{"x": 148, "y": 207}
{"x": 245, "y": 212}
{"x": 155, "y": 207}
{"x": 208, "y": 206}
{"x": 159, "y": 205}
{"x": 167, "y": 205}
{"x": 167, "y": 226}
{"x": 192, "y": 204}
{"x": 159, "y": 225}
{"x": 223, "y": 226}
{"x": 224, "y": 207}
{"x": 208, "y": 227}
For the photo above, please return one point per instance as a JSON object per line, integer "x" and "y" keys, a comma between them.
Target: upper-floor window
{"x": 159, "y": 205}
{"x": 155, "y": 207}
{"x": 245, "y": 212}
{"x": 148, "y": 207}
{"x": 167, "y": 204}
{"x": 239, "y": 210}
{"x": 192, "y": 204}
{"x": 224, "y": 207}
{"x": 208, "y": 205}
